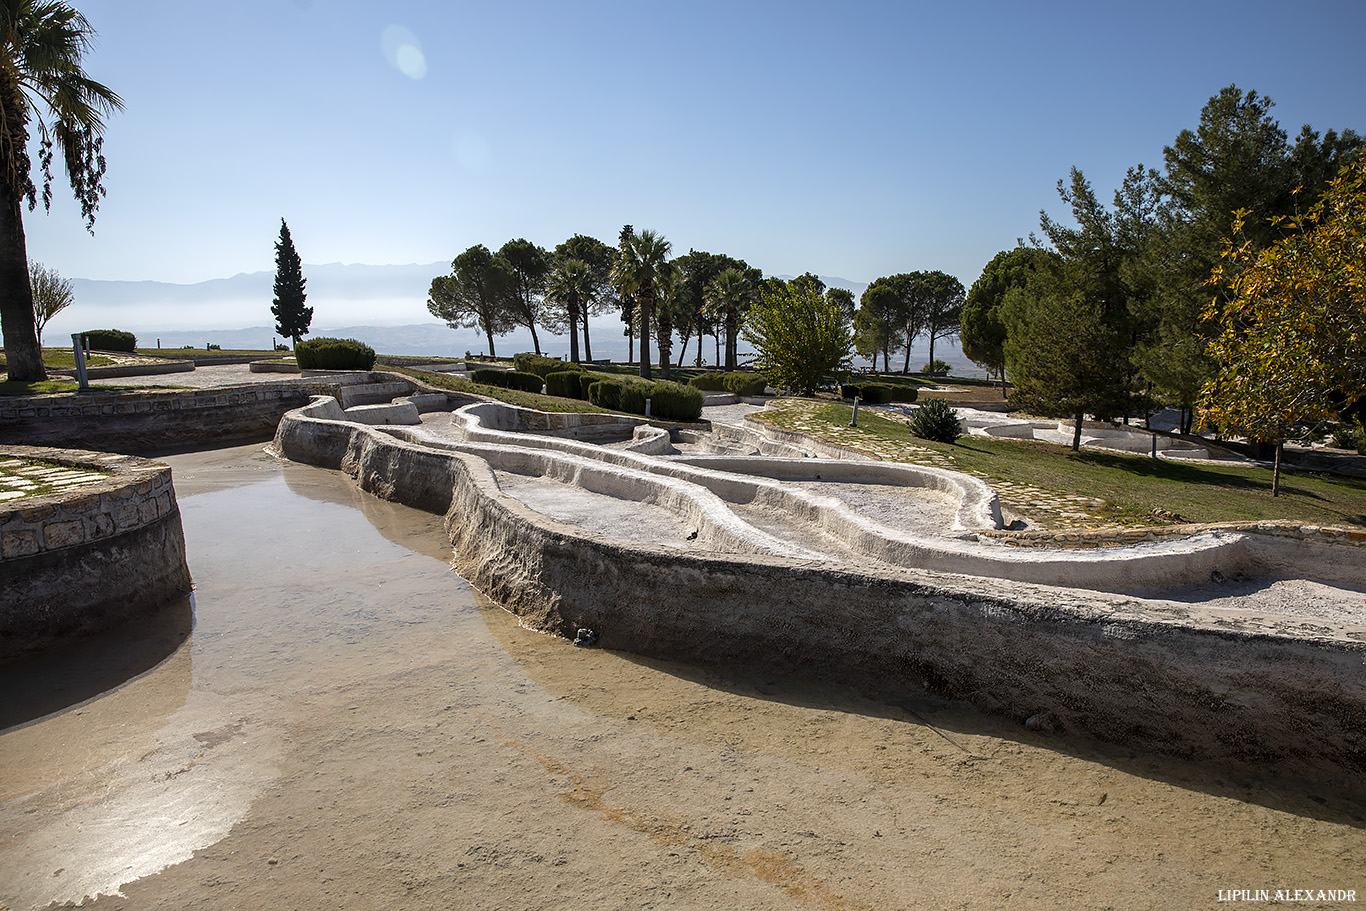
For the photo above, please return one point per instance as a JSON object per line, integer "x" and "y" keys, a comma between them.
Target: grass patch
{"x": 62, "y": 359}
{"x": 16, "y": 478}
{"x": 42, "y": 387}
{"x": 1131, "y": 486}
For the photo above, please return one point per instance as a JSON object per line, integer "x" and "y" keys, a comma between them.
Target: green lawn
{"x": 45, "y": 387}
{"x": 62, "y": 359}
{"x": 1132, "y": 486}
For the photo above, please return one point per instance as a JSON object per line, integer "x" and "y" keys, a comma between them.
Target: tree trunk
{"x": 17, "y": 320}
{"x": 630, "y": 344}
{"x": 646, "y": 304}
{"x": 573, "y": 334}
{"x": 489, "y": 333}
{"x": 931, "y": 352}
{"x": 535, "y": 342}
{"x": 664, "y": 336}
{"x": 683, "y": 352}
{"x": 718, "y": 347}
{"x": 1276, "y": 472}
{"x": 906, "y": 367}
{"x": 587, "y": 347}
{"x": 1076, "y": 432}
{"x": 732, "y": 327}
{"x": 1003, "y": 383}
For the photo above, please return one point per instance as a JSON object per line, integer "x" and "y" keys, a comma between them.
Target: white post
{"x": 79, "y": 351}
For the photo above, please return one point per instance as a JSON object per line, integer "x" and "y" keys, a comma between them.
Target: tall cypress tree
{"x": 291, "y": 316}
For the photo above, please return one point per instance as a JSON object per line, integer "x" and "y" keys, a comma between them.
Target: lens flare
{"x": 404, "y": 53}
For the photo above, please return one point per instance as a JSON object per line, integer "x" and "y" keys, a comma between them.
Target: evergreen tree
{"x": 292, "y": 318}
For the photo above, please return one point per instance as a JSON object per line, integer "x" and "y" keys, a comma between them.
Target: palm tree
{"x": 643, "y": 261}
{"x": 727, "y": 295}
{"x": 668, "y": 285}
{"x": 571, "y": 285}
{"x": 41, "y": 82}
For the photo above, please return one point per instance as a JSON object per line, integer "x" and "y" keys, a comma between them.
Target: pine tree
{"x": 291, "y": 316}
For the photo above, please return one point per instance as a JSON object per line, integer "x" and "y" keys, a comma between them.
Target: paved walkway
{"x": 199, "y": 378}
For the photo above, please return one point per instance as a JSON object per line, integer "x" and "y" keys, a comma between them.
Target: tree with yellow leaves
{"x": 1292, "y": 348}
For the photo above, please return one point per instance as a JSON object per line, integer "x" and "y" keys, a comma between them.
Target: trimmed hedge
{"x": 879, "y": 393}
{"x": 566, "y": 384}
{"x": 901, "y": 393}
{"x": 714, "y": 381}
{"x": 736, "y": 382}
{"x": 334, "y": 354}
{"x": 110, "y": 340}
{"x": 540, "y": 365}
{"x": 508, "y": 379}
{"x": 668, "y": 400}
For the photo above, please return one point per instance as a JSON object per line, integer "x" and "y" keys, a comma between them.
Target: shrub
{"x": 212, "y": 347}
{"x": 564, "y": 383}
{"x": 1347, "y": 438}
{"x": 334, "y": 354}
{"x": 110, "y": 340}
{"x": 539, "y": 365}
{"x": 709, "y": 382}
{"x": 936, "y": 421}
{"x": 668, "y": 400}
{"x": 507, "y": 379}
{"x": 938, "y": 368}
{"x": 741, "y": 383}
{"x": 675, "y": 402}
{"x": 606, "y": 393}
{"x": 903, "y": 393}
{"x": 849, "y": 390}
{"x": 876, "y": 393}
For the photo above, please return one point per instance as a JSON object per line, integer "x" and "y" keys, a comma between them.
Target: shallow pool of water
{"x": 337, "y": 720}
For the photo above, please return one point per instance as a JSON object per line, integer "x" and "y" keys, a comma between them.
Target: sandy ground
{"x": 348, "y": 725}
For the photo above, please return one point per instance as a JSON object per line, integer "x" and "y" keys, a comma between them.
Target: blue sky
{"x": 855, "y": 140}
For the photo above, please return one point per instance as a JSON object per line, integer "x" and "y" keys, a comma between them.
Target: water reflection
{"x": 129, "y": 751}
{"x": 69, "y": 675}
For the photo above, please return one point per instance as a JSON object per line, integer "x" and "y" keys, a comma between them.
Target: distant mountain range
{"x": 383, "y": 306}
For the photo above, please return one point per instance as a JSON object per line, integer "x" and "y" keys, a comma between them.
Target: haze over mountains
{"x": 383, "y": 306}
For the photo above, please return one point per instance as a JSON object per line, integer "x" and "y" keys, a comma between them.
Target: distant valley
{"x": 383, "y": 306}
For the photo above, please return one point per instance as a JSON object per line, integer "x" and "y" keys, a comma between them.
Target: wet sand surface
{"x": 348, "y": 725}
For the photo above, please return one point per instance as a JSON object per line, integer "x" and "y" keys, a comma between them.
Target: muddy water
{"x": 348, "y": 725}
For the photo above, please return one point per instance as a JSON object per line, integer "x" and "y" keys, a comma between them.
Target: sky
{"x": 854, "y": 140}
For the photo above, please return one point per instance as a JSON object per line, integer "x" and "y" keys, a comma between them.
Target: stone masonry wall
{"x": 84, "y": 559}
{"x": 129, "y": 422}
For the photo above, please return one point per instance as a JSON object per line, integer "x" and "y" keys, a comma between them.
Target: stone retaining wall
{"x": 130, "y": 422}
{"x": 83, "y": 560}
{"x": 1237, "y": 690}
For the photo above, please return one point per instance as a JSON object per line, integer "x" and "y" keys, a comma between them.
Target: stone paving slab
{"x": 200, "y": 378}
{"x": 22, "y": 478}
